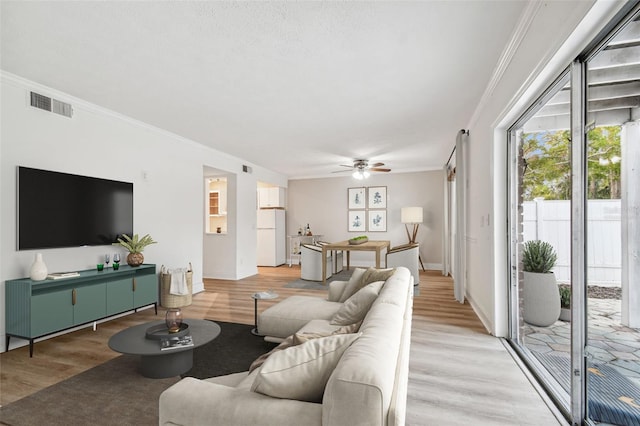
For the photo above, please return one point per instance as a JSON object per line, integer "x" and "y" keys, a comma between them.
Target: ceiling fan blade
{"x": 377, "y": 169}
{"x": 349, "y": 166}
{"x": 377, "y": 165}
{"x": 341, "y": 171}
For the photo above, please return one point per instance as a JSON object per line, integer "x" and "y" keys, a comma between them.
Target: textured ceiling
{"x": 296, "y": 87}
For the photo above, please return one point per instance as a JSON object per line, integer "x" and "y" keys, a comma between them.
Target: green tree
{"x": 546, "y": 158}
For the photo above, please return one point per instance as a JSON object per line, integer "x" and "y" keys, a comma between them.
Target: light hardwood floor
{"x": 459, "y": 375}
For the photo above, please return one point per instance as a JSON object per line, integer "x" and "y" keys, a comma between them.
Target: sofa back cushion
{"x": 362, "y": 386}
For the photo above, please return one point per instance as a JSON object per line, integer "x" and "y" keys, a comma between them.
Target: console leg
{"x": 155, "y": 305}
{"x": 30, "y": 348}
{"x": 8, "y": 338}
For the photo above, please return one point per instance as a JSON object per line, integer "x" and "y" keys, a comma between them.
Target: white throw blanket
{"x": 178, "y": 282}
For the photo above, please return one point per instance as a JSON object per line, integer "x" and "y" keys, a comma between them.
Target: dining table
{"x": 372, "y": 245}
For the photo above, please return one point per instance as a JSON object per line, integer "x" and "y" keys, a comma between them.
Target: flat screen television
{"x": 65, "y": 210}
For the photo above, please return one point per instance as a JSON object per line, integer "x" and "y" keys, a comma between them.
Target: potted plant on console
{"x": 135, "y": 246}
{"x": 541, "y": 297}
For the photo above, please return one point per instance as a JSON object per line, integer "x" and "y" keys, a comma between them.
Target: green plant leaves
{"x": 538, "y": 256}
{"x": 135, "y": 244}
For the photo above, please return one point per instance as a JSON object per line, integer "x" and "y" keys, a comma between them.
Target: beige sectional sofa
{"x": 367, "y": 383}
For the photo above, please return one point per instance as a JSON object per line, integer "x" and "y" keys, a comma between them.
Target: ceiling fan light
{"x": 361, "y": 174}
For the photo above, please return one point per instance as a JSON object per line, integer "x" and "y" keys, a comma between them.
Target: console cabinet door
{"x": 119, "y": 296}
{"x": 91, "y": 303}
{"x": 51, "y": 311}
{"x": 146, "y": 290}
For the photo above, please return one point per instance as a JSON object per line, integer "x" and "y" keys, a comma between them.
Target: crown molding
{"x": 520, "y": 31}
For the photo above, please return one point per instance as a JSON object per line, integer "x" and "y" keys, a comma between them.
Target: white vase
{"x": 38, "y": 269}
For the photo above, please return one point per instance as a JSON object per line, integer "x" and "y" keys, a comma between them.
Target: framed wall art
{"x": 377, "y": 220}
{"x": 357, "y": 221}
{"x": 356, "y": 198}
{"x": 377, "y": 197}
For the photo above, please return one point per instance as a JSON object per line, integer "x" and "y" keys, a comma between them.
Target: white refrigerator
{"x": 271, "y": 237}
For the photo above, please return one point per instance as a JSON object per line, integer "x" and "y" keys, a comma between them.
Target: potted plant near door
{"x": 565, "y": 303}
{"x": 135, "y": 245}
{"x": 541, "y": 297}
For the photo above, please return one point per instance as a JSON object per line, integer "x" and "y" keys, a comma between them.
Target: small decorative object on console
{"x": 38, "y": 269}
{"x": 60, "y": 275}
{"x": 135, "y": 245}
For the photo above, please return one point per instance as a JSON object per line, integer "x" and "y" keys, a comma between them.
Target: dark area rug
{"x": 114, "y": 393}
{"x": 232, "y": 351}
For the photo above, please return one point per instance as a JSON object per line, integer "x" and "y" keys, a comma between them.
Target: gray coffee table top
{"x": 133, "y": 341}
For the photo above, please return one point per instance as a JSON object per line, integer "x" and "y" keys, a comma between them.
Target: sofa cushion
{"x": 288, "y": 316}
{"x": 368, "y": 276}
{"x": 353, "y": 282}
{"x": 303, "y": 336}
{"x": 286, "y": 343}
{"x": 301, "y": 372}
{"x": 355, "y": 308}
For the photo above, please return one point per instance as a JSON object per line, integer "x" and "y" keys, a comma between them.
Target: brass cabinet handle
{"x": 74, "y": 296}
{"x": 134, "y": 284}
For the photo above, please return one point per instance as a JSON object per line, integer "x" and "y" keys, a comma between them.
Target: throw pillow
{"x": 289, "y": 341}
{"x": 368, "y": 276}
{"x": 372, "y": 275}
{"x": 350, "y": 287}
{"x": 348, "y": 329}
{"x": 300, "y": 338}
{"x": 301, "y": 372}
{"x": 355, "y": 308}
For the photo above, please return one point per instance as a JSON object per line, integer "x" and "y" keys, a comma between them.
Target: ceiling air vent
{"x": 52, "y": 105}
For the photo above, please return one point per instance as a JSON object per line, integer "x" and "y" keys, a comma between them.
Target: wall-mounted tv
{"x": 65, "y": 210}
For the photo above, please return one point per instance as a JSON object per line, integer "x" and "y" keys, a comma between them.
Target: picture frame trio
{"x": 367, "y": 209}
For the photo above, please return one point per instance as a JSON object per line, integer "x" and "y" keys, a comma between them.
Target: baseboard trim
{"x": 483, "y": 318}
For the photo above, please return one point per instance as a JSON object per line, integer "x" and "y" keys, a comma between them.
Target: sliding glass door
{"x": 541, "y": 230}
{"x": 574, "y": 185}
{"x": 612, "y": 193}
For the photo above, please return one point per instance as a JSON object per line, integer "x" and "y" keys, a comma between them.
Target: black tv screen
{"x": 65, "y": 210}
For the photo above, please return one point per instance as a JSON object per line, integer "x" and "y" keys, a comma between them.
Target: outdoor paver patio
{"x": 609, "y": 342}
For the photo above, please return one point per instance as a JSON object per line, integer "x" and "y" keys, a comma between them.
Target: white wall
{"x": 538, "y": 57}
{"x": 168, "y": 202}
{"x": 322, "y": 203}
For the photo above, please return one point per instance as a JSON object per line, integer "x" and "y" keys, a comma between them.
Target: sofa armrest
{"x": 335, "y": 290}
{"x": 196, "y": 402}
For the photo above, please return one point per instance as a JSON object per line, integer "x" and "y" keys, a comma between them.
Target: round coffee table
{"x": 156, "y": 363}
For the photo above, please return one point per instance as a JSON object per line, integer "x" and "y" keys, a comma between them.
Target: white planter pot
{"x": 565, "y": 314}
{"x": 541, "y": 299}
{"x": 38, "y": 269}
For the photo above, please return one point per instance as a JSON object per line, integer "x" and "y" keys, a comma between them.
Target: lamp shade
{"x": 411, "y": 215}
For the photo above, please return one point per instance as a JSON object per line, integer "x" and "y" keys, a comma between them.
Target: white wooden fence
{"x": 549, "y": 220}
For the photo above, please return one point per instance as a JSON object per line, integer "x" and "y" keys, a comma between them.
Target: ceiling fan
{"x": 362, "y": 168}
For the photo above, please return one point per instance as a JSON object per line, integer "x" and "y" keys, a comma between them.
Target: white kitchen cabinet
{"x": 271, "y": 197}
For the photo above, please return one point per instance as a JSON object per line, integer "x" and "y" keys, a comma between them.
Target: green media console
{"x": 37, "y": 308}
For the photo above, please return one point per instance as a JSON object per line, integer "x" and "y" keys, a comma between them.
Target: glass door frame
{"x": 554, "y": 390}
{"x": 578, "y": 339}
